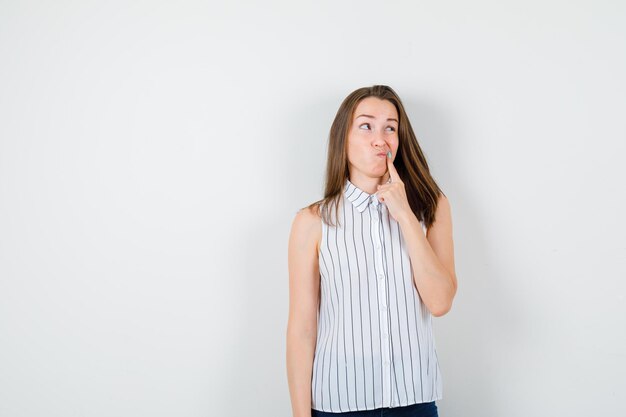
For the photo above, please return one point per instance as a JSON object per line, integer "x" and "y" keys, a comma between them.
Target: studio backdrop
{"x": 153, "y": 155}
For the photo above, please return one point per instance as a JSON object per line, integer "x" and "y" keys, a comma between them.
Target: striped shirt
{"x": 375, "y": 346}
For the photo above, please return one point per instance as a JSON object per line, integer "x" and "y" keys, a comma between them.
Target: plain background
{"x": 153, "y": 155}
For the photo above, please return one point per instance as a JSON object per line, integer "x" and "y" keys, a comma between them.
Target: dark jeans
{"x": 414, "y": 410}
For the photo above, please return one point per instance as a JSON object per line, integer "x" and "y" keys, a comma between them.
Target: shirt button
{"x": 386, "y": 363}
{"x": 385, "y": 335}
{"x": 377, "y": 246}
{"x": 381, "y": 276}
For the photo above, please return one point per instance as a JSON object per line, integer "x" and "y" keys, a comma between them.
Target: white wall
{"x": 153, "y": 155}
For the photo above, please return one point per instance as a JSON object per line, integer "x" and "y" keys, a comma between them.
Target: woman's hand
{"x": 393, "y": 193}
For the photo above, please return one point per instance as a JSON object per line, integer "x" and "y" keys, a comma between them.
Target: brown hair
{"x": 421, "y": 189}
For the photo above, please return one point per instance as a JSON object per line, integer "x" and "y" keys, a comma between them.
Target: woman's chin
{"x": 379, "y": 172}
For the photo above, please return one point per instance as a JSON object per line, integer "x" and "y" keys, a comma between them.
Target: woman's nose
{"x": 379, "y": 139}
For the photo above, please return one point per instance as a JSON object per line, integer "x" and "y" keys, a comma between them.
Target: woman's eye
{"x": 364, "y": 124}
{"x": 391, "y": 128}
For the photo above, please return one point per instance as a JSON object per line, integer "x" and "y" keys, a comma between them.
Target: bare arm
{"x": 304, "y": 281}
{"x": 432, "y": 258}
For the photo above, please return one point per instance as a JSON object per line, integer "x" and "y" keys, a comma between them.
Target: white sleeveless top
{"x": 375, "y": 346}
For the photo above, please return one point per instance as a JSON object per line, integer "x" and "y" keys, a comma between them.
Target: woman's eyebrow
{"x": 372, "y": 117}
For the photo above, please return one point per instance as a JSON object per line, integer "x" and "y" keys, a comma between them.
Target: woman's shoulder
{"x": 306, "y": 227}
{"x": 309, "y": 217}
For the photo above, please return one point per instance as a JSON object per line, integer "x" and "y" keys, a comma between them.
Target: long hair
{"x": 421, "y": 189}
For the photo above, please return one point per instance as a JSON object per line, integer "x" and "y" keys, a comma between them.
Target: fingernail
{"x": 389, "y": 154}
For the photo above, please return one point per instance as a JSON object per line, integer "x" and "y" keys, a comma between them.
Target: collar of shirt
{"x": 359, "y": 198}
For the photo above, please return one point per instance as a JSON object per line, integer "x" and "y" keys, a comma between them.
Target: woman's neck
{"x": 369, "y": 184}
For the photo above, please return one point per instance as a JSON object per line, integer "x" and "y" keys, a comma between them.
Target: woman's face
{"x": 374, "y": 132}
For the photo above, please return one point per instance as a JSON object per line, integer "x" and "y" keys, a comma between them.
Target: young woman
{"x": 369, "y": 265}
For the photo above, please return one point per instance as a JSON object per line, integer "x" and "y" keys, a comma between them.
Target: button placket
{"x": 383, "y": 308}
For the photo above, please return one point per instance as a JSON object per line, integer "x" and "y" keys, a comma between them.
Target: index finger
{"x": 393, "y": 174}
